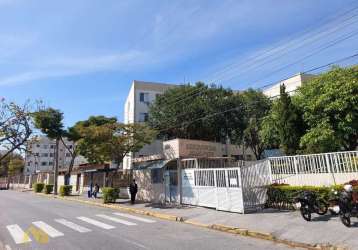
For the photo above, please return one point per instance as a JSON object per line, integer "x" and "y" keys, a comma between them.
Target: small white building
{"x": 136, "y": 109}
{"x": 291, "y": 84}
{"x": 40, "y": 155}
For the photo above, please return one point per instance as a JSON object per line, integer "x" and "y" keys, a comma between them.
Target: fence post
{"x": 329, "y": 169}
{"x": 270, "y": 170}
{"x": 295, "y": 165}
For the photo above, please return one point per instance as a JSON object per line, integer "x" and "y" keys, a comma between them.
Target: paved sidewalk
{"x": 287, "y": 225}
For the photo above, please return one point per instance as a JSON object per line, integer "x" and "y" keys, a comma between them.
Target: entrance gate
{"x": 216, "y": 187}
{"x": 171, "y": 186}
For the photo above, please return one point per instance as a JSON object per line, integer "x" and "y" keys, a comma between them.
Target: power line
{"x": 236, "y": 108}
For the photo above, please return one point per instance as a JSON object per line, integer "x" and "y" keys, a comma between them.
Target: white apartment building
{"x": 291, "y": 85}
{"x": 136, "y": 109}
{"x": 40, "y": 155}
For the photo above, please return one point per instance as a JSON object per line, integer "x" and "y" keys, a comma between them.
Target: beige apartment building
{"x": 292, "y": 84}
{"x": 136, "y": 109}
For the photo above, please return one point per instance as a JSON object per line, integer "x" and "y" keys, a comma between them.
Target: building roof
{"x": 155, "y": 86}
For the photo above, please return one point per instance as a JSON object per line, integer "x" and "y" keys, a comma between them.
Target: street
{"x": 68, "y": 225}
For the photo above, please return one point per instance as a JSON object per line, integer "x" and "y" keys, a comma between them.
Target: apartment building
{"x": 40, "y": 155}
{"x": 136, "y": 109}
{"x": 291, "y": 84}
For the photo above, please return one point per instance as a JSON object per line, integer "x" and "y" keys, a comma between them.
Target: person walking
{"x": 133, "y": 189}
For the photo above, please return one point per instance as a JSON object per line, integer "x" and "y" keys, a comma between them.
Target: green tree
{"x": 257, "y": 106}
{"x": 269, "y": 132}
{"x": 11, "y": 165}
{"x": 104, "y": 139}
{"x": 330, "y": 106}
{"x": 49, "y": 121}
{"x": 198, "y": 112}
{"x": 290, "y": 123}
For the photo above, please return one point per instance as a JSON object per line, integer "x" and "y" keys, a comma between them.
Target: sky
{"x": 82, "y": 56}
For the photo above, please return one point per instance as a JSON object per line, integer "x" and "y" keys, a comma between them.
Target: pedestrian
{"x": 133, "y": 189}
{"x": 96, "y": 190}
{"x": 89, "y": 192}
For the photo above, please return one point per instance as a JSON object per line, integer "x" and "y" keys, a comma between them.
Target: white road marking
{"x": 7, "y": 247}
{"x": 50, "y": 231}
{"x": 128, "y": 223}
{"x": 73, "y": 226}
{"x": 18, "y": 234}
{"x": 96, "y": 223}
{"x": 135, "y": 217}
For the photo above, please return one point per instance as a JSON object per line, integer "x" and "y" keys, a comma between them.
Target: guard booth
{"x": 201, "y": 173}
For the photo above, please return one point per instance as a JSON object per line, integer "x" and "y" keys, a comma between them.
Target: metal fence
{"x": 315, "y": 169}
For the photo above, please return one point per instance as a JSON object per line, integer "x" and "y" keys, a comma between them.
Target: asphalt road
{"x": 70, "y": 225}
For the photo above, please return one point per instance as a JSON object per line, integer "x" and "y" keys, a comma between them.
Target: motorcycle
{"x": 348, "y": 205}
{"x": 310, "y": 203}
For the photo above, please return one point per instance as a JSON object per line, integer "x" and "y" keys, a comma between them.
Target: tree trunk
{"x": 56, "y": 168}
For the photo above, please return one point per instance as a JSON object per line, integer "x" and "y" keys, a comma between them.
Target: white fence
{"x": 315, "y": 169}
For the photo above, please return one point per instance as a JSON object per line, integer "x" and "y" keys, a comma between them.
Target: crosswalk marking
{"x": 128, "y": 223}
{"x": 50, "y": 231}
{"x": 73, "y": 226}
{"x": 134, "y": 217}
{"x": 96, "y": 223}
{"x": 18, "y": 234}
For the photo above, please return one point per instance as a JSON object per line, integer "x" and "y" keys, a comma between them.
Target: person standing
{"x": 96, "y": 190}
{"x": 133, "y": 189}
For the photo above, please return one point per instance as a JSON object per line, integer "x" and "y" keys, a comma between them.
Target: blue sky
{"x": 81, "y": 56}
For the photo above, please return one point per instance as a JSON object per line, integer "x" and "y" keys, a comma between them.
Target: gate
{"x": 216, "y": 187}
{"x": 171, "y": 186}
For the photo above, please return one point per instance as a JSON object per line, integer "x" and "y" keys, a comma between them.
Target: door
{"x": 78, "y": 182}
{"x": 171, "y": 185}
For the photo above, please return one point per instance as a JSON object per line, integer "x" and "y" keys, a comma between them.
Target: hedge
{"x": 109, "y": 194}
{"x": 38, "y": 187}
{"x": 48, "y": 189}
{"x": 282, "y": 196}
{"x": 65, "y": 190}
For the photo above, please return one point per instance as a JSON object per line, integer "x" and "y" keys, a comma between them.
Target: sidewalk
{"x": 282, "y": 225}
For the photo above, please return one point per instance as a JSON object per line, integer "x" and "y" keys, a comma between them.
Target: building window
{"x": 52, "y": 154}
{"x": 38, "y": 145}
{"x": 44, "y": 155}
{"x": 50, "y": 163}
{"x": 45, "y": 146}
{"x": 43, "y": 163}
{"x": 68, "y": 155}
{"x": 156, "y": 175}
{"x": 52, "y": 146}
{"x": 70, "y": 146}
{"x": 36, "y": 154}
{"x": 143, "y": 117}
{"x": 29, "y": 163}
{"x": 144, "y": 97}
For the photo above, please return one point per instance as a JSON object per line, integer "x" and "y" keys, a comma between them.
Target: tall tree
{"x": 330, "y": 106}
{"x": 49, "y": 121}
{"x": 257, "y": 105}
{"x": 290, "y": 123}
{"x": 112, "y": 141}
{"x": 198, "y": 112}
{"x": 15, "y": 126}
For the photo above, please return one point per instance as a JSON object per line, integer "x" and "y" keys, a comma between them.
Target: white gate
{"x": 216, "y": 187}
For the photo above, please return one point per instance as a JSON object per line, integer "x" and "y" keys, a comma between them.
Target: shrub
{"x": 109, "y": 194}
{"x": 38, "y": 187}
{"x": 48, "y": 189}
{"x": 65, "y": 190}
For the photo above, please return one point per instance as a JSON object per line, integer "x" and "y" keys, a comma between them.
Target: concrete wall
{"x": 147, "y": 191}
{"x": 324, "y": 179}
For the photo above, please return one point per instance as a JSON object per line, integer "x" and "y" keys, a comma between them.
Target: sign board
{"x": 188, "y": 178}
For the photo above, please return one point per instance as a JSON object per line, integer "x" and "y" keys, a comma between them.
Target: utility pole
{"x": 56, "y": 167}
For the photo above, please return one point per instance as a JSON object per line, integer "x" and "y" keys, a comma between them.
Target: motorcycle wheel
{"x": 306, "y": 213}
{"x": 322, "y": 207}
{"x": 346, "y": 219}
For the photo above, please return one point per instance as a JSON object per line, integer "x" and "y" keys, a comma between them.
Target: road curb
{"x": 217, "y": 227}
